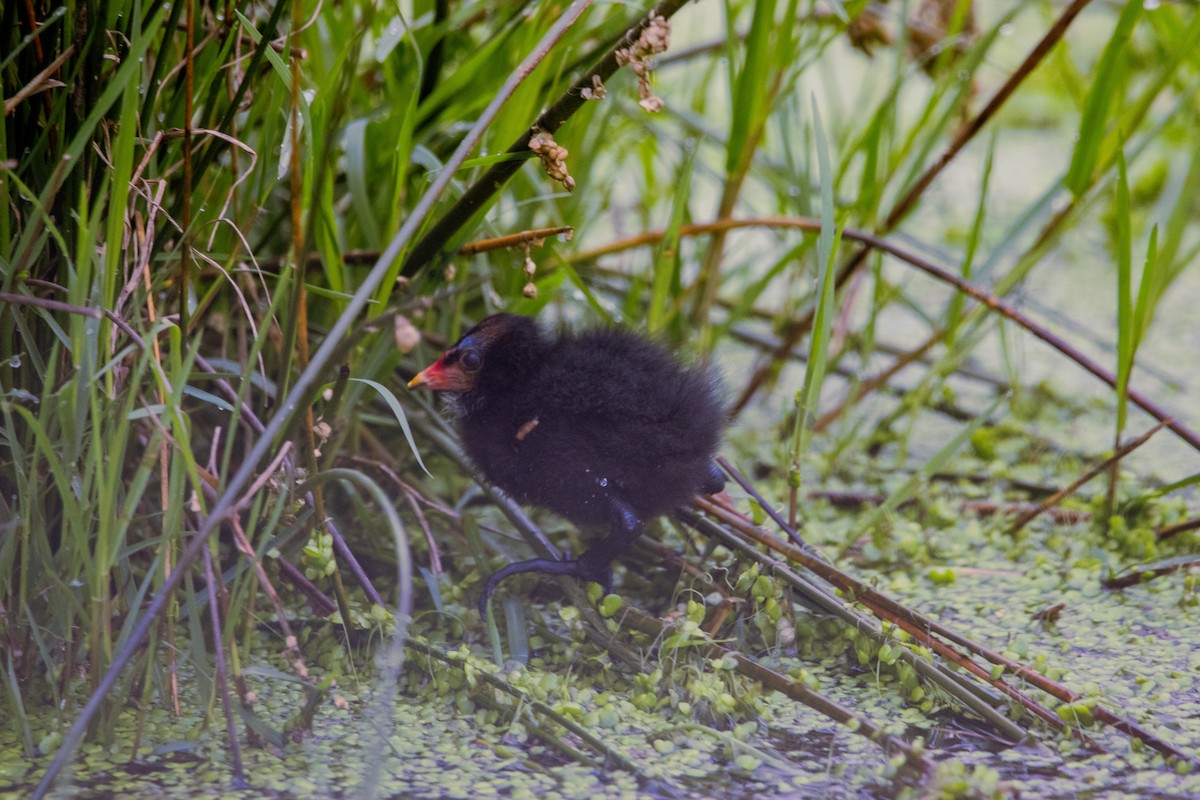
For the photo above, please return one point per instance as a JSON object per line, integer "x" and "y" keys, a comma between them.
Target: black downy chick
{"x": 601, "y": 427}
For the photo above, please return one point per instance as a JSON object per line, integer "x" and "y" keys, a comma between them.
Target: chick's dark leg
{"x": 594, "y": 564}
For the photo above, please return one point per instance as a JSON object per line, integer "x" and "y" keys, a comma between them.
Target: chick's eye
{"x": 470, "y": 360}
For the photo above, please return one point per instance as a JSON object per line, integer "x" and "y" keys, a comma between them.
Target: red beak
{"x": 440, "y": 378}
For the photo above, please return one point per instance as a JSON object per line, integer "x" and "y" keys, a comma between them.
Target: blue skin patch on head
{"x": 474, "y": 343}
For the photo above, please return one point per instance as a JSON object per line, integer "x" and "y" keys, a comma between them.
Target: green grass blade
{"x": 808, "y": 398}
{"x": 1124, "y": 253}
{"x": 401, "y": 417}
{"x": 1100, "y": 99}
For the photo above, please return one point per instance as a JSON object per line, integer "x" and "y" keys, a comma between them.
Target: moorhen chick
{"x": 601, "y": 427}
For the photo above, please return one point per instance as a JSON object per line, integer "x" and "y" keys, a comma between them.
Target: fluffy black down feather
{"x": 570, "y": 422}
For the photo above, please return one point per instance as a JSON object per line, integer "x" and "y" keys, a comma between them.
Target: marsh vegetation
{"x": 943, "y": 255}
